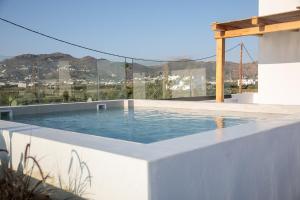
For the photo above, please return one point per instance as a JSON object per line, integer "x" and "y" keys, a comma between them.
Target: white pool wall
{"x": 198, "y": 105}
{"x": 259, "y": 160}
{"x": 256, "y": 167}
{"x": 114, "y": 176}
{"x": 48, "y": 108}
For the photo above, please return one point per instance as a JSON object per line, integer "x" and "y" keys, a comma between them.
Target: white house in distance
{"x": 277, "y": 26}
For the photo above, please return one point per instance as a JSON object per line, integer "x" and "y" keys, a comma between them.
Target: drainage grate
{"x": 6, "y": 114}
{"x": 101, "y": 107}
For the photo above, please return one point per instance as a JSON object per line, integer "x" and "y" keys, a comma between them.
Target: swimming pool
{"x": 162, "y": 169}
{"x": 137, "y": 125}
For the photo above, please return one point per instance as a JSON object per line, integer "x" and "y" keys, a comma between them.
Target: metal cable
{"x": 248, "y": 53}
{"x": 104, "y": 52}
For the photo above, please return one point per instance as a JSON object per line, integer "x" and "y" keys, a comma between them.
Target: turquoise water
{"x": 143, "y": 126}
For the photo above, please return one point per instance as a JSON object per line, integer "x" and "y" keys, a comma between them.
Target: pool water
{"x": 139, "y": 125}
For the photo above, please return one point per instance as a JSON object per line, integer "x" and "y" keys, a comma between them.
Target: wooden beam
{"x": 220, "y": 61}
{"x": 217, "y": 27}
{"x": 222, "y": 27}
{"x": 256, "y": 21}
{"x": 260, "y": 21}
{"x": 259, "y": 35}
{"x": 286, "y": 26}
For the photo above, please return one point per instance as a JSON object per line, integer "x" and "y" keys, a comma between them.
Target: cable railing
{"x": 55, "y": 78}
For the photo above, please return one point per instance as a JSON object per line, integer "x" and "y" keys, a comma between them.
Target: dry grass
{"x": 20, "y": 185}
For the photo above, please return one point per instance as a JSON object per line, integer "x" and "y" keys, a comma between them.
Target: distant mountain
{"x": 46, "y": 67}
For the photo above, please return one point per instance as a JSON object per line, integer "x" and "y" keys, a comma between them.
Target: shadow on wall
{"x": 79, "y": 176}
{"x": 18, "y": 183}
{"x": 4, "y": 156}
{"x": 281, "y": 47}
{"x": 23, "y": 179}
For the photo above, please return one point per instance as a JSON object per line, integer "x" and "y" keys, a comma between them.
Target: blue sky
{"x": 156, "y": 29}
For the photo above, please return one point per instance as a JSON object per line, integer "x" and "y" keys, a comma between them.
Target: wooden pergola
{"x": 254, "y": 26}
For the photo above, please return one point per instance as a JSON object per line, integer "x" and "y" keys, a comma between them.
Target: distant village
{"x": 180, "y": 80}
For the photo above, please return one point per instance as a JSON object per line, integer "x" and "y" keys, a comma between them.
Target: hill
{"x": 46, "y": 67}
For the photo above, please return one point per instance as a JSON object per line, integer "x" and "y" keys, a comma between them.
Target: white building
{"x": 21, "y": 85}
{"x": 278, "y": 26}
{"x": 279, "y": 59}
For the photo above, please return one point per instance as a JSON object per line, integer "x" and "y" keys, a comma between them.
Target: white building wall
{"x": 263, "y": 166}
{"x": 267, "y": 7}
{"x": 279, "y": 59}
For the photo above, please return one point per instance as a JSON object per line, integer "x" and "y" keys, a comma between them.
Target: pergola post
{"x": 220, "y": 61}
{"x": 254, "y": 26}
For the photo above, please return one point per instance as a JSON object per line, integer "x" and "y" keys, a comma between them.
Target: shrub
{"x": 20, "y": 185}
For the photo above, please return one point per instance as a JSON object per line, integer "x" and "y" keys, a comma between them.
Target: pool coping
{"x": 158, "y": 150}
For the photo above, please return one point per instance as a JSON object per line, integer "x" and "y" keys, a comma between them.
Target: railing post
{"x": 241, "y": 69}
{"x": 220, "y": 61}
{"x": 98, "y": 82}
{"x": 165, "y": 80}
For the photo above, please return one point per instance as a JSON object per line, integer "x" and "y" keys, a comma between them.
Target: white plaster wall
{"x": 280, "y": 84}
{"x": 258, "y": 167}
{"x": 114, "y": 177}
{"x": 267, "y": 7}
{"x": 245, "y": 98}
{"x": 279, "y": 59}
